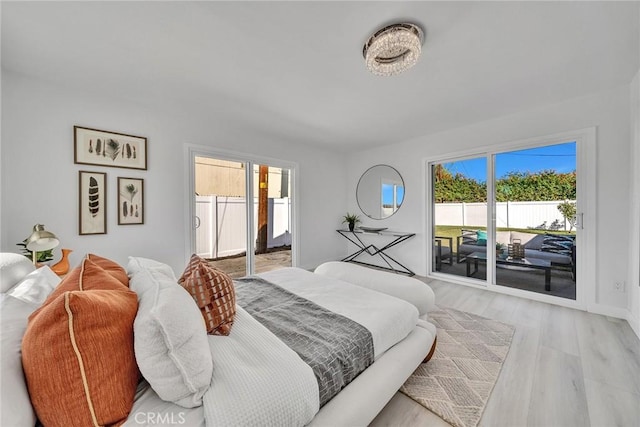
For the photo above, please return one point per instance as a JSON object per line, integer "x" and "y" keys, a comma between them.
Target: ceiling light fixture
{"x": 393, "y": 49}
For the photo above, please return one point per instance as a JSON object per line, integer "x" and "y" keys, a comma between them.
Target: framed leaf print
{"x": 92, "y": 203}
{"x": 130, "y": 201}
{"x": 103, "y": 148}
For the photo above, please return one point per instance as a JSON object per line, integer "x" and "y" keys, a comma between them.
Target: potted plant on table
{"x": 42, "y": 256}
{"x": 352, "y": 220}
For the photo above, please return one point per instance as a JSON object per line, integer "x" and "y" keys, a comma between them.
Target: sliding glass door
{"x": 273, "y": 218}
{"x": 535, "y": 208}
{"x": 510, "y": 219}
{"x": 240, "y": 204}
{"x": 459, "y": 212}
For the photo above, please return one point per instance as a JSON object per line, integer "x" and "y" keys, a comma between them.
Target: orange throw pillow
{"x": 111, "y": 267}
{"x": 88, "y": 276}
{"x": 78, "y": 358}
{"x": 77, "y": 352}
{"x": 213, "y": 291}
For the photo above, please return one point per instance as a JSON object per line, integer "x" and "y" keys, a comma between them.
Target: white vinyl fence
{"x": 221, "y": 225}
{"x": 508, "y": 214}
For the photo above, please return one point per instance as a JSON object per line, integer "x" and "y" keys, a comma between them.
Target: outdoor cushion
{"x": 470, "y": 233}
{"x": 557, "y": 244}
{"x": 552, "y": 257}
{"x": 482, "y": 238}
{"x": 467, "y": 248}
{"x": 535, "y": 243}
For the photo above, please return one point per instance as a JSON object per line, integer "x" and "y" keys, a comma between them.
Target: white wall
{"x": 40, "y": 181}
{"x": 633, "y": 280}
{"x": 609, "y": 111}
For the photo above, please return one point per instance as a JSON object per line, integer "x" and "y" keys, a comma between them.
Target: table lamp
{"x": 40, "y": 240}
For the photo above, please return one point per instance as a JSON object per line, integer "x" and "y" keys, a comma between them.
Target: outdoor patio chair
{"x": 442, "y": 252}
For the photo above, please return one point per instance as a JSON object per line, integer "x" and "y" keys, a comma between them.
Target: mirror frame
{"x": 360, "y": 181}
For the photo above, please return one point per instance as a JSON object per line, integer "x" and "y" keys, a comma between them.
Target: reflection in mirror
{"x": 380, "y": 192}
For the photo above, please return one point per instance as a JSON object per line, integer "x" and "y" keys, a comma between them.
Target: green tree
{"x": 568, "y": 211}
{"x": 449, "y": 188}
{"x": 515, "y": 187}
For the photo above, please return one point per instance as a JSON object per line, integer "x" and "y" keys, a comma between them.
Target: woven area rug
{"x": 456, "y": 383}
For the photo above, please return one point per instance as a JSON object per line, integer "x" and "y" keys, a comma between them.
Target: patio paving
{"x": 236, "y": 266}
{"x": 562, "y": 283}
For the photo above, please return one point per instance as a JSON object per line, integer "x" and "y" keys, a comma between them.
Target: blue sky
{"x": 387, "y": 194}
{"x": 560, "y": 157}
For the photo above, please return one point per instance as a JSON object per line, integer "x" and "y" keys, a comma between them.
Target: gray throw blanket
{"x": 335, "y": 347}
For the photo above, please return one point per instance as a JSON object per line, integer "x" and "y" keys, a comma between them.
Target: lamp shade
{"x": 41, "y": 239}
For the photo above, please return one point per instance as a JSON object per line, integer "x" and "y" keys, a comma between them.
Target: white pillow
{"x": 150, "y": 264}
{"x": 13, "y": 267}
{"x": 15, "y": 405}
{"x": 170, "y": 339}
{"x": 407, "y": 288}
{"x": 36, "y": 286}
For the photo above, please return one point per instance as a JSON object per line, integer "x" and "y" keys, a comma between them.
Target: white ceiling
{"x": 295, "y": 69}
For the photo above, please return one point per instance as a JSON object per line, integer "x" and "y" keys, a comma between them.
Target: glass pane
{"x": 460, "y": 218}
{"x": 221, "y": 220}
{"x": 535, "y": 228}
{"x": 272, "y": 192}
{"x": 392, "y": 196}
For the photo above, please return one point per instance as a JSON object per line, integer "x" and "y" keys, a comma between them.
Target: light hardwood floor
{"x": 565, "y": 367}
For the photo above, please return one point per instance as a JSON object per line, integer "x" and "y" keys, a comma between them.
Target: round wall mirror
{"x": 380, "y": 192}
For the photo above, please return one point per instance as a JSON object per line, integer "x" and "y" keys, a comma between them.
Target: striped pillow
{"x": 213, "y": 291}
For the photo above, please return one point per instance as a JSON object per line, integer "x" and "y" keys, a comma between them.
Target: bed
{"x": 237, "y": 395}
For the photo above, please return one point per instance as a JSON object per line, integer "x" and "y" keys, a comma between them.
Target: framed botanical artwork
{"x": 103, "y": 148}
{"x": 92, "y": 203}
{"x": 130, "y": 201}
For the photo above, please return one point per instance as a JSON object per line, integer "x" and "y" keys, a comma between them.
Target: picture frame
{"x": 112, "y": 149}
{"x": 130, "y": 201}
{"x": 92, "y": 203}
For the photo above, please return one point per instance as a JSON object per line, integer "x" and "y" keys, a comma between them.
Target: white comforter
{"x": 258, "y": 381}
{"x": 389, "y": 319}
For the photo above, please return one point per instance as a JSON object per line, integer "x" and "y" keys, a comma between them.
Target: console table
{"x": 358, "y": 237}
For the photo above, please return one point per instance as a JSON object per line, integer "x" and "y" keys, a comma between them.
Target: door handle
{"x": 579, "y": 221}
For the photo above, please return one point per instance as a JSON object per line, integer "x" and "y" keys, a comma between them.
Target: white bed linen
{"x": 258, "y": 380}
{"x": 389, "y": 319}
{"x": 149, "y": 410}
